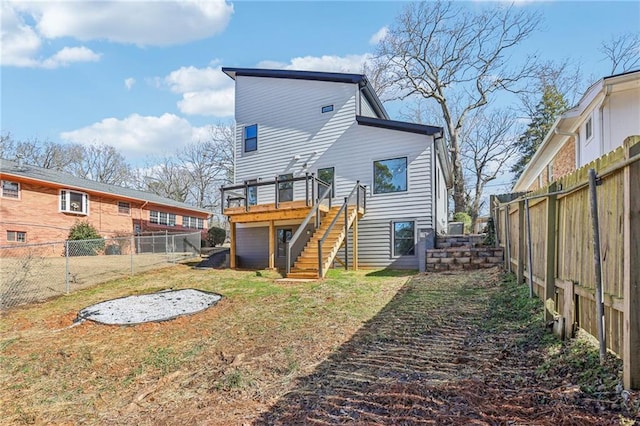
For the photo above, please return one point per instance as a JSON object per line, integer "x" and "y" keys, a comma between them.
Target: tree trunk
{"x": 459, "y": 198}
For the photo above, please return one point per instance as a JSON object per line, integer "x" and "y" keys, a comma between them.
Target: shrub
{"x": 464, "y": 218}
{"x": 83, "y": 230}
{"x": 490, "y": 230}
{"x": 216, "y": 236}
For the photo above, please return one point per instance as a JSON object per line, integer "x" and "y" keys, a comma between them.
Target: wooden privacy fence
{"x": 557, "y": 260}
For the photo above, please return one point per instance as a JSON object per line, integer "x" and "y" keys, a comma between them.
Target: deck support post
{"x": 355, "y": 243}
{"x": 232, "y": 249}
{"x": 272, "y": 241}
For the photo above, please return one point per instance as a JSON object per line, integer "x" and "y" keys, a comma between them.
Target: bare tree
{"x": 209, "y": 165}
{"x": 623, "y": 51}
{"x": 102, "y": 163}
{"x": 442, "y": 52}
{"x": 488, "y": 144}
{"x": 45, "y": 154}
{"x": 165, "y": 177}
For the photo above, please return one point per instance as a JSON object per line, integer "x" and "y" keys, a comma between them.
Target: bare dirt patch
{"x": 360, "y": 347}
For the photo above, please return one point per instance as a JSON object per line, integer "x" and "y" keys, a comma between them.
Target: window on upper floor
{"x": 252, "y": 192}
{"x": 251, "y": 138}
{"x": 588, "y": 129}
{"x": 285, "y": 189}
{"x": 124, "y": 208}
{"x": 74, "y": 202}
{"x": 403, "y": 238}
{"x": 192, "y": 222}
{"x": 390, "y": 175}
{"x": 162, "y": 218}
{"x": 16, "y": 236}
{"x": 327, "y": 175}
{"x": 327, "y": 108}
{"x": 10, "y": 189}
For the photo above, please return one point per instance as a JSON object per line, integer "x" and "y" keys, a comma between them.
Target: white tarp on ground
{"x": 161, "y": 306}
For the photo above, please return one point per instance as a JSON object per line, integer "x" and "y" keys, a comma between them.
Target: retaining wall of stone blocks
{"x": 463, "y": 258}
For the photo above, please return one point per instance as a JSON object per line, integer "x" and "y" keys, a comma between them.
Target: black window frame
{"x": 394, "y": 239}
{"x": 253, "y": 139}
{"x": 327, "y": 108}
{"x": 375, "y": 188}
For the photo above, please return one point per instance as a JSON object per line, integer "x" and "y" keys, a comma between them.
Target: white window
{"x": 162, "y": 218}
{"x": 588, "y": 129}
{"x": 17, "y": 236}
{"x": 10, "y": 189}
{"x": 74, "y": 202}
{"x": 404, "y": 237}
{"x": 192, "y": 222}
{"x": 124, "y": 208}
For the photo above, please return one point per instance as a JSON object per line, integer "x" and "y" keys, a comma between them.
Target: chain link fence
{"x": 35, "y": 272}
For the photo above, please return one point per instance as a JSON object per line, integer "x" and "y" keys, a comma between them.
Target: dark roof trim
{"x": 293, "y": 74}
{"x": 336, "y": 77}
{"x": 399, "y": 125}
{"x": 621, "y": 74}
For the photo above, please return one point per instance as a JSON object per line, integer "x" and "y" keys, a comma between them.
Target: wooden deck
{"x": 268, "y": 212}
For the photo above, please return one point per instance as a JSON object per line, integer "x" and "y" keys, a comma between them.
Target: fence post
{"x": 521, "y": 242}
{"x": 550, "y": 261}
{"x": 631, "y": 266}
{"x": 131, "y": 250}
{"x": 66, "y": 275}
{"x": 507, "y": 229}
{"x": 529, "y": 247}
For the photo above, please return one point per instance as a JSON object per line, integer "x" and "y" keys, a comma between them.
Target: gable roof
{"x": 359, "y": 79}
{"x": 11, "y": 168}
{"x": 565, "y": 125}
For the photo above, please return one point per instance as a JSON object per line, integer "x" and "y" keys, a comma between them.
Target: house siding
{"x": 295, "y": 137}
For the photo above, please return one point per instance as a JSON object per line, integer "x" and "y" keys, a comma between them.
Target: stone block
{"x": 431, "y": 260}
{"x": 463, "y": 260}
{"x": 447, "y": 260}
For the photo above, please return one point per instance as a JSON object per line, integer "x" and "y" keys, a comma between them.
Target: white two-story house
{"x": 607, "y": 113}
{"x": 317, "y": 159}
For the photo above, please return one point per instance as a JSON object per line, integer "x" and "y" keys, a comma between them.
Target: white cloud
{"x": 27, "y": 25}
{"x": 379, "y": 35}
{"x": 68, "y": 55}
{"x": 205, "y": 91}
{"x": 129, "y": 82}
{"x": 157, "y": 23}
{"x": 137, "y": 136}
{"x": 327, "y": 63}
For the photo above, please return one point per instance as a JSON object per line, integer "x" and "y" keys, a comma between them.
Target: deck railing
{"x": 239, "y": 195}
{"x": 357, "y": 197}
{"x": 325, "y": 197}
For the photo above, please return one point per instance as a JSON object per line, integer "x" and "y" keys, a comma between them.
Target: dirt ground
{"x": 439, "y": 349}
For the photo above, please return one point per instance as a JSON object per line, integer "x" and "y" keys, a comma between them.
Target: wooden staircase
{"x": 306, "y": 265}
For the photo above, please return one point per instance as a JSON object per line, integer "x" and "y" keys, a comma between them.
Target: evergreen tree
{"x": 547, "y": 111}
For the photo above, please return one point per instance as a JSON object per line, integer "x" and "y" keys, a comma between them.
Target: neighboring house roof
{"x": 364, "y": 85}
{"x": 565, "y": 126}
{"x": 11, "y": 168}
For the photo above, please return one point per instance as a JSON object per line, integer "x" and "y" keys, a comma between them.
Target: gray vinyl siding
{"x": 252, "y": 246}
{"x": 290, "y": 123}
{"x": 366, "y": 109}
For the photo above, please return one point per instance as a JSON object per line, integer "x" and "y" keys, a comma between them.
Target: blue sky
{"x": 145, "y": 76}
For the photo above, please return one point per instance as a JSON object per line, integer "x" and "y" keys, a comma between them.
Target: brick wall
{"x": 565, "y": 160}
{"x": 37, "y": 213}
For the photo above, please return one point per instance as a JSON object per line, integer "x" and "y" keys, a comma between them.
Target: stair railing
{"x": 356, "y": 197}
{"x": 315, "y": 211}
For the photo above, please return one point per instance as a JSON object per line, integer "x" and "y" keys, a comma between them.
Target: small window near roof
{"x": 327, "y": 108}
{"x": 589, "y": 128}
{"x": 124, "y": 208}
{"x": 10, "y": 189}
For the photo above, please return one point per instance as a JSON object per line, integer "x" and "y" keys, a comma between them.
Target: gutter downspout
{"x": 607, "y": 92}
{"x": 434, "y": 180}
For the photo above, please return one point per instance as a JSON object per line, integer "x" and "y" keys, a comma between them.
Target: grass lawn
{"x": 249, "y": 347}
{"x": 366, "y": 347}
